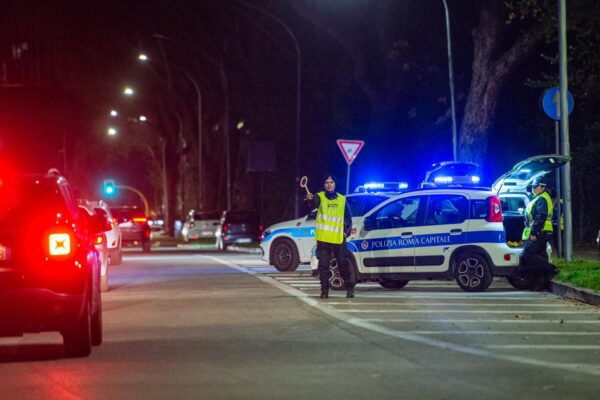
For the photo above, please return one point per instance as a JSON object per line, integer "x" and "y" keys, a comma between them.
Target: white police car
{"x": 450, "y": 232}
{"x": 287, "y": 244}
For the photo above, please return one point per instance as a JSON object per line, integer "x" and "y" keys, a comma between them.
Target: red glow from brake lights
{"x": 99, "y": 239}
{"x": 225, "y": 227}
{"x": 59, "y": 244}
{"x": 507, "y": 257}
{"x": 495, "y": 210}
{"x": 139, "y": 219}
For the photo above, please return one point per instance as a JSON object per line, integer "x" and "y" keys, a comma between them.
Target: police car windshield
{"x": 360, "y": 205}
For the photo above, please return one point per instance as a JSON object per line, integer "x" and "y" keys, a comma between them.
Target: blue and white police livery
{"x": 448, "y": 233}
{"x": 286, "y": 244}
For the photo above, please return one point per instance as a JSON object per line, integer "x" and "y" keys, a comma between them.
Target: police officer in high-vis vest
{"x": 333, "y": 225}
{"x": 537, "y": 233}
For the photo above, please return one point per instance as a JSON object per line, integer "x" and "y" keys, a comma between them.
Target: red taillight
{"x": 99, "y": 239}
{"x": 495, "y": 210}
{"x": 139, "y": 219}
{"x": 59, "y": 244}
{"x": 225, "y": 227}
{"x": 260, "y": 228}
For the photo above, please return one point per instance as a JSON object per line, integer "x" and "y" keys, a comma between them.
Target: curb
{"x": 572, "y": 292}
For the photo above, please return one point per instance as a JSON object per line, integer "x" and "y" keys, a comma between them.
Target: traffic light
{"x": 110, "y": 188}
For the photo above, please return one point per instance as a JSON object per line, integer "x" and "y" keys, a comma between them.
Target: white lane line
{"x": 400, "y": 304}
{"x": 544, "y": 346}
{"x": 528, "y": 312}
{"x": 444, "y": 296}
{"x": 487, "y": 321}
{"x": 481, "y": 352}
{"x": 515, "y": 333}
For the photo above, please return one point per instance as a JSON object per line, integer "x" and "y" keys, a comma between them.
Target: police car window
{"x": 479, "y": 209}
{"x": 355, "y": 205}
{"x": 399, "y": 214}
{"x": 370, "y": 203}
{"x": 512, "y": 204}
{"x": 446, "y": 209}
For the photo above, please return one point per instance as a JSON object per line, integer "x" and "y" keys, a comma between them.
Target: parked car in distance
{"x": 113, "y": 236}
{"x": 97, "y": 223}
{"x": 200, "y": 224}
{"x": 134, "y": 227}
{"x": 237, "y": 227}
{"x": 49, "y": 267}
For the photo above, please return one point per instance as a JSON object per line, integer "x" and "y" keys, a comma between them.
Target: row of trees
{"x": 371, "y": 70}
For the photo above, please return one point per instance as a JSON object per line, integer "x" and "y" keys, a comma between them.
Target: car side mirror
{"x": 369, "y": 223}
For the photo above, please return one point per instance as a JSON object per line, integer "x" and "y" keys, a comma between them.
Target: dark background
{"x": 64, "y": 64}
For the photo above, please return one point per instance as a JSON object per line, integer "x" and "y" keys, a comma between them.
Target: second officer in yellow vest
{"x": 333, "y": 225}
{"x": 534, "y": 258}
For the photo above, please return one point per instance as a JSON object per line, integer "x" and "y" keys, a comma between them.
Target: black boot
{"x": 325, "y": 293}
{"x": 350, "y": 292}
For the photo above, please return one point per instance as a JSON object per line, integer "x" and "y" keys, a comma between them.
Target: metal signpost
{"x": 350, "y": 149}
{"x": 551, "y": 103}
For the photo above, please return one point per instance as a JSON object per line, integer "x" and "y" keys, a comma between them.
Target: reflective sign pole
{"x": 564, "y": 124}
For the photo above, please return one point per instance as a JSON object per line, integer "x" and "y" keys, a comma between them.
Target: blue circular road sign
{"x": 551, "y": 102}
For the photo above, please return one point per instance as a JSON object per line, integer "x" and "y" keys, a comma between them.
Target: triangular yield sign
{"x": 350, "y": 148}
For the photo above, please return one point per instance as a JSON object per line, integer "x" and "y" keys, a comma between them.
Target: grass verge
{"x": 580, "y": 273}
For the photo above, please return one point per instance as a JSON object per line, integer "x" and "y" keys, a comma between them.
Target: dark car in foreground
{"x": 237, "y": 227}
{"x": 133, "y": 223}
{"x": 49, "y": 267}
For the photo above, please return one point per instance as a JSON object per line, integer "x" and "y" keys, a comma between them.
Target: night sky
{"x": 371, "y": 70}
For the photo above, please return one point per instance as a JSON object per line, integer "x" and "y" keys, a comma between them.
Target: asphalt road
{"x": 191, "y": 325}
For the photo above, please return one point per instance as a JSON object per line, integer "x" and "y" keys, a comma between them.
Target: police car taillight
{"x": 59, "y": 244}
{"x": 495, "y": 211}
{"x": 99, "y": 239}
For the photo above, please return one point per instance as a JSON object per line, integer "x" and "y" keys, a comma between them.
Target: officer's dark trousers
{"x": 534, "y": 258}
{"x": 324, "y": 253}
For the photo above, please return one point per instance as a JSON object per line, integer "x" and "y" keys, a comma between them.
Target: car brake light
{"x": 260, "y": 228}
{"x": 59, "y": 244}
{"x": 225, "y": 227}
{"x": 495, "y": 210}
{"x": 139, "y": 219}
{"x": 99, "y": 239}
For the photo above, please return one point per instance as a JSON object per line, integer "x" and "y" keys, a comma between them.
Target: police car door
{"x": 446, "y": 221}
{"x": 385, "y": 240}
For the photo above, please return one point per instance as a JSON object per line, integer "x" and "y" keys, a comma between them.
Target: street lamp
{"x": 143, "y": 118}
{"x": 128, "y": 91}
{"x": 114, "y": 113}
{"x": 143, "y": 57}
{"x": 298, "y": 84}
{"x": 111, "y": 131}
{"x": 451, "y": 80}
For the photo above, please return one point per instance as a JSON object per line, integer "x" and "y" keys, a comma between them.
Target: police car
{"x": 287, "y": 244}
{"x": 449, "y": 232}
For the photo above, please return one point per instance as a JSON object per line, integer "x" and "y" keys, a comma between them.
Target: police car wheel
{"x": 522, "y": 282}
{"x": 472, "y": 273}
{"x": 285, "y": 255}
{"x": 393, "y": 284}
{"x": 336, "y": 282}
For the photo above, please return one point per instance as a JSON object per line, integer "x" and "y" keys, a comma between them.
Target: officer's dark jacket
{"x": 316, "y": 202}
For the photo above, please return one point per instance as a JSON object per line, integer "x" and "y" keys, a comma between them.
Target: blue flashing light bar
{"x": 373, "y": 185}
{"x": 443, "y": 179}
{"x": 475, "y": 179}
{"x": 402, "y": 185}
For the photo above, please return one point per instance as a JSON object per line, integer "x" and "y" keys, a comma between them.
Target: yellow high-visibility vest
{"x": 529, "y": 216}
{"x": 330, "y": 219}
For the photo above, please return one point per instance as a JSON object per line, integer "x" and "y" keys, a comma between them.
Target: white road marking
{"x": 544, "y": 346}
{"x": 481, "y": 352}
{"x": 418, "y": 304}
{"x": 528, "y": 312}
{"x": 489, "y": 321}
{"x": 515, "y": 333}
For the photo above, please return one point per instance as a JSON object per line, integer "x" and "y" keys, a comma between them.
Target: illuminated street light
{"x": 128, "y": 91}
{"x": 142, "y": 57}
{"x": 143, "y": 118}
{"x": 114, "y": 113}
{"x": 240, "y": 125}
{"x": 111, "y": 131}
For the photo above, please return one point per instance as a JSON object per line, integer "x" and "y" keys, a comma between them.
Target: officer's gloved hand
{"x": 309, "y": 197}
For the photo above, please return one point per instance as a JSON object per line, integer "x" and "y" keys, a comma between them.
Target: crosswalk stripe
{"x": 418, "y": 304}
{"x": 527, "y": 312}
{"x": 487, "y": 321}
{"x": 515, "y": 333}
{"x": 544, "y": 347}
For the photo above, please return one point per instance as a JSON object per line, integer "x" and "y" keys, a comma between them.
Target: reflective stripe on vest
{"x": 330, "y": 219}
{"x": 529, "y": 215}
